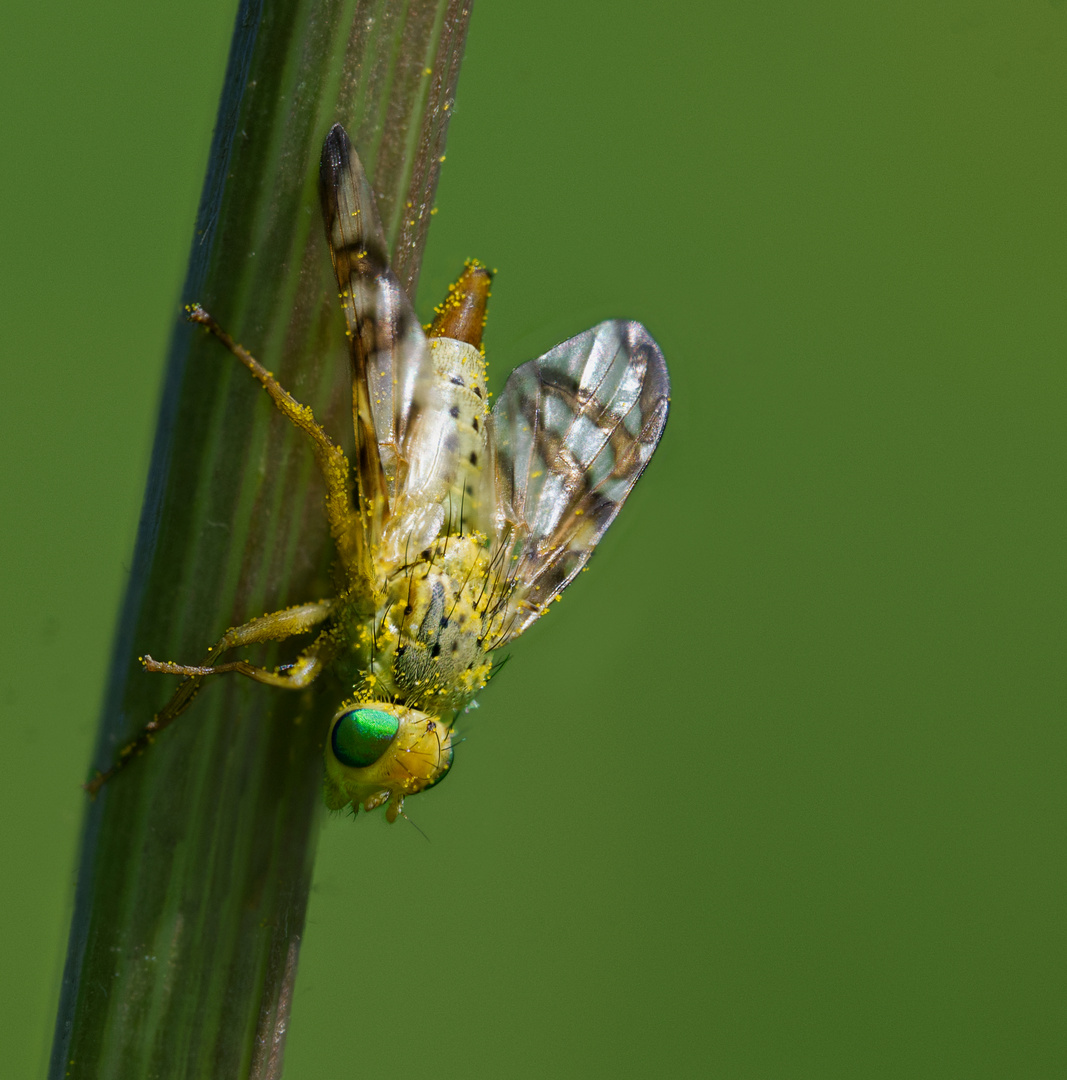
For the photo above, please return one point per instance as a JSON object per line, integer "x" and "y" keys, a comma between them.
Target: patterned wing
{"x": 390, "y": 359}
{"x": 573, "y": 430}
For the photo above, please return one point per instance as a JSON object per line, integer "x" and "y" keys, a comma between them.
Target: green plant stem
{"x": 196, "y": 860}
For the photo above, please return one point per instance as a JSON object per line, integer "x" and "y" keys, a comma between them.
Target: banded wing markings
{"x": 573, "y": 430}
{"x": 390, "y": 359}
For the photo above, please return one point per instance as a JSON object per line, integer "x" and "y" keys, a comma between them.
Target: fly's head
{"x": 379, "y": 752}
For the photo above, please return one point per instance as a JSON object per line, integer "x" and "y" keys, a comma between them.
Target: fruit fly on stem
{"x": 455, "y": 526}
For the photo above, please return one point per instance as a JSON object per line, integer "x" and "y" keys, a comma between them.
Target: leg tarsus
{"x": 294, "y": 677}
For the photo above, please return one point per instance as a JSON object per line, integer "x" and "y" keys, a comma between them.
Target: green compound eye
{"x": 361, "y": 736}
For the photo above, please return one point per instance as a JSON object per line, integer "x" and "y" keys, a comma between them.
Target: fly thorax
{"x": 431, "y": 639}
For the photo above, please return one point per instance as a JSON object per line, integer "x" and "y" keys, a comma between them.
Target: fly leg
{"x": 274, "y": 627}
{"x": 345, "y": 525}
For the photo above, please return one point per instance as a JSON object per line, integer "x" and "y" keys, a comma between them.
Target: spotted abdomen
{"x": 446, "y": 487}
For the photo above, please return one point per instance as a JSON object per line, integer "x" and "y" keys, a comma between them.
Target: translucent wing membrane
{"x": 390, "y": 360}
{"x": 573, "y": 431}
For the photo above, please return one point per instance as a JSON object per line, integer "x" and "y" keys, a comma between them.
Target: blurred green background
{"x": 778, "y": 790}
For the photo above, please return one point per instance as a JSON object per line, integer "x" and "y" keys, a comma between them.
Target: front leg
{"x": 274, "y": 627}
{"x": 346, "y": 528}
